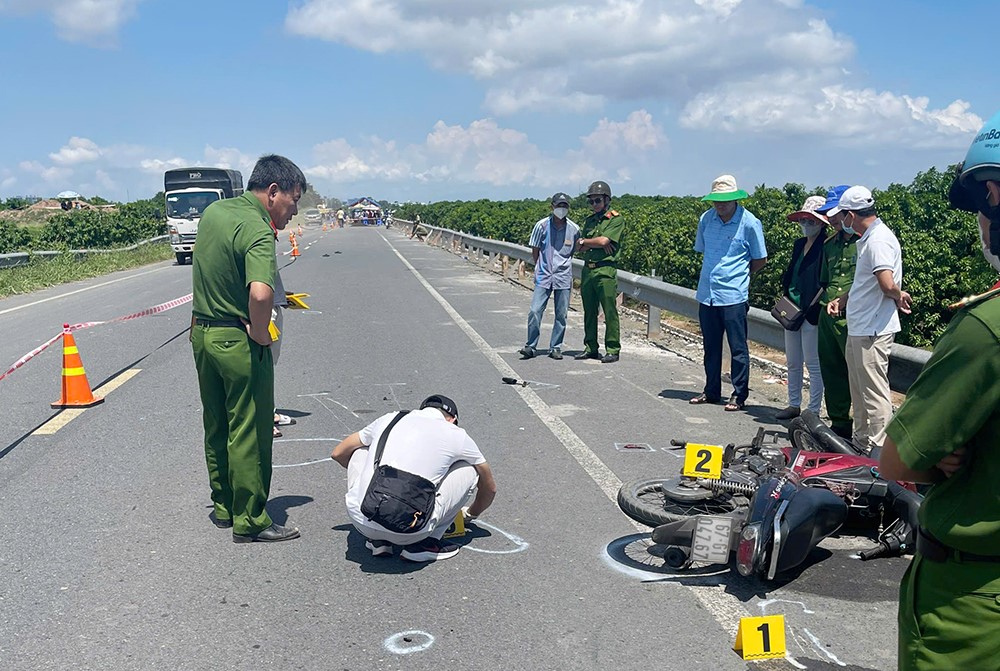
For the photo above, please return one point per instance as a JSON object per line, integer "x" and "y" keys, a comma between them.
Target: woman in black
{"x": 800, "y": 283}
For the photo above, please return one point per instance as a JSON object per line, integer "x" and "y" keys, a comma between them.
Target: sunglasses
{"x": 596, "y": 201}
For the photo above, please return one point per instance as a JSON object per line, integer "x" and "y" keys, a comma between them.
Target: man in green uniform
{"x": 948, "y": 432}
{"x": 233, "y": 279}
{"x": 600, "y": 242}
{"x": 840, "y": 255}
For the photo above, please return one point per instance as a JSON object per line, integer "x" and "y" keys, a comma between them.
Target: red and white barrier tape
{"x": 162, "y": 307}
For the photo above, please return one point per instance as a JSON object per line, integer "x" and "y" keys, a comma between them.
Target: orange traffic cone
{"x": 291, "y": 237}
{"x": 324, "y": 227}
{"x": 75, "y": 387}
{"x": 300, "y": 229}
{"x": 295, "y": 248}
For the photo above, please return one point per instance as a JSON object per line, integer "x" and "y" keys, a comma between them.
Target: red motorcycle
{"x": 773, "y": 504}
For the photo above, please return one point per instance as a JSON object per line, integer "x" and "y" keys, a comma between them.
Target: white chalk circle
{"x": 406, "y": 642}
{"x": 520, "y": 545}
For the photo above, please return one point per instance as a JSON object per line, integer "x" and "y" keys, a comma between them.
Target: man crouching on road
{"x": 423, "y": 447}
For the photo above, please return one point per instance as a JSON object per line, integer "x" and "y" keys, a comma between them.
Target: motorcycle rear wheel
{"x": 661, "y": 500}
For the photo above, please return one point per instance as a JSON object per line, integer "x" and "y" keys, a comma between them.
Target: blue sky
{"x": 437, "y": 100}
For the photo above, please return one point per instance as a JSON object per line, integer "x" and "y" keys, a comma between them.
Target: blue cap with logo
{"x": 833, "y": 198}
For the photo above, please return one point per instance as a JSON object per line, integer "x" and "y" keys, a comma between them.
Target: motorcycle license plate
{"x": 711, "y": 539}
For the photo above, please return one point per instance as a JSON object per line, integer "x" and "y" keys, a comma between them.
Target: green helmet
{"x": 599, "y": 188}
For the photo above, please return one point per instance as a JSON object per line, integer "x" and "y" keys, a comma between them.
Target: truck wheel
{"x": 182, "y": 258}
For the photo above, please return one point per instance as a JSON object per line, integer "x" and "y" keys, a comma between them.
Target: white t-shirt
{"x": 869, "y": 311}
{"x": 423, "y": 443}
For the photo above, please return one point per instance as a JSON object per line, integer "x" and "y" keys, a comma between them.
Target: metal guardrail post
{"x": 652, "y": 317}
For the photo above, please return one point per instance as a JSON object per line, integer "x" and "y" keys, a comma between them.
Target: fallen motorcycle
{"x": 773, "y": 504}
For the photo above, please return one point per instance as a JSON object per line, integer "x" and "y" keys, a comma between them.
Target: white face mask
{"x": 810, "y": 228}
{"x": 560, "y": 212}
{"x": 991, "y": 258}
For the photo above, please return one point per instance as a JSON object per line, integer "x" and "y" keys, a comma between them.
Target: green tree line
{"x": 121, "y": 226}
{"x": 942, "y": 261}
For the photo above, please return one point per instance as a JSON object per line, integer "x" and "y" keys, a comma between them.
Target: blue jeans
{"x": 732, "y": 321}
{"x": 539, "y": 299}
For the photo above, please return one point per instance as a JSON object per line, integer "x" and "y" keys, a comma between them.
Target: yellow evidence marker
{"x": 295, "y": 301}
{"x": 272, "y": 328}
{"x": 761, "y": 637}
{"x": 703, "y": 461}
{"x": 457, "y": 527}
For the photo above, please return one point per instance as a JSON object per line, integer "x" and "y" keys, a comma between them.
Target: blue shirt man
{"x": 732, "y": 242}
{"x": 553, "y": 241}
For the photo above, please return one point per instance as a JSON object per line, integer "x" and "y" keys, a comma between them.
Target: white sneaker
{"x": 379, "y": 548}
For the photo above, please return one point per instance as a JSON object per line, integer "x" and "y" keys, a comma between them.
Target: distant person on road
{"x": 840, "y": 256}
{"x": 340, "y": 217}
{"x": 872, "y": 305}
{"x": 947, "y": 432}
{"x": 732, "y": 242}
{"x": 233, "y": 282}
{"x": 553, "y": 241}
{"x": 417, "y": 231}
{"x": 601, "y": 241}
{"x": 800, "y": 284}
{"x": 426, "y": 443}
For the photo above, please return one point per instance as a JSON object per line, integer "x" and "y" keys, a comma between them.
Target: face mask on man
{"x": 991, "y": 258}
{"x": 560, "y": 212}
{"x": 810, "y": 228}
{"x": 846, "y": 227}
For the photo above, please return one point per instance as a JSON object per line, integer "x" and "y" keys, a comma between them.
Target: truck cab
{"x": 188, "y": 192}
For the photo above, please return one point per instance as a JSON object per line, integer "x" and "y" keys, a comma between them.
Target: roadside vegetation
{"x": 32, "y": 229}
{"x": 942, "y": 261}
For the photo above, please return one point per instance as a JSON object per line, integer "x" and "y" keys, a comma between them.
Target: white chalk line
{"x": 392, "y": 644}
{"x": 304, "y": 463}
{"x": 726, "y": 610}
{"x": 520, "y": 543}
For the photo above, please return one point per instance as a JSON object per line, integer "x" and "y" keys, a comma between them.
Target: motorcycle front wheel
{"x": 662, "y": 500}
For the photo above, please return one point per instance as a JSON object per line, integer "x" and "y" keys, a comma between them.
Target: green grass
{"x": 67, "y": 268}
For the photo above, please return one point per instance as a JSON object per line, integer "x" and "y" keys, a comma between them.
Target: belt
{"x": 936, "y": 551}
{"x": 236, "y": 323}
{"x": 600, "y": 264}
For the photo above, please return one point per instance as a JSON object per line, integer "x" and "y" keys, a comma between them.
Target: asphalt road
{"x": 109, "y": 561}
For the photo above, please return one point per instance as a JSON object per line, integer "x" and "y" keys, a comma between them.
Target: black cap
{"x": 442, "y": 403}
{"x": 560, "y": 198}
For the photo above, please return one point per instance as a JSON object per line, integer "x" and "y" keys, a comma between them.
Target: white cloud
{"x": 77, "y": 150}
{"x": 159, "y": 165}
{"x": 94, "y": 22}
{"x": 486, "y": 153}
{"x": 743, "y": 66}
{"x": 832, "y": 113}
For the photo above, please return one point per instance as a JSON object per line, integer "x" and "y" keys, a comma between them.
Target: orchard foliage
{"x": 942, "y": 261}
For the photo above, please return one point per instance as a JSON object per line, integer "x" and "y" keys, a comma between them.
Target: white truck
{"x": 188, "y": 191}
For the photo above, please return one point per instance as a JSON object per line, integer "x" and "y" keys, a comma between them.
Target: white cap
{"x": 855, "y": 198}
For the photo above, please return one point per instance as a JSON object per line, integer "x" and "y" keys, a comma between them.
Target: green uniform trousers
{"x": 949, "y": 616}
{"x": 236, "y": 380}
{"x": 599, "y": 287}
{"x": 833, "y": 365}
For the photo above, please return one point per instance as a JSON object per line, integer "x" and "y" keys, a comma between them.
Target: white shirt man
{"x": 872, "y": 320}
{"x": 426, "y": 442}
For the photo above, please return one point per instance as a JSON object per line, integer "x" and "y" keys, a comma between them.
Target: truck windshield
{"x": 189, "y": 205}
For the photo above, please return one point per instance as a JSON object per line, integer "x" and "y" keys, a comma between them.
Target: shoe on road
{"x": 273, "y": 534}
{"x": 555, "y": 353}
{"x": 379, "y": 548}
{"x": 791, "y": 412}
{"x": 587, "y": 355}
{"x": 429, "y": 549}
{"x": 222, "y": 524}
{"x": 609, "y": 358}
{"x": 526, "y": 352}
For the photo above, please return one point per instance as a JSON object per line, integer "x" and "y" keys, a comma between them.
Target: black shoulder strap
{"x": 385, "y": 435}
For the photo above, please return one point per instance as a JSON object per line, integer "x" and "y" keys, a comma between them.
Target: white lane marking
{"x": 77, "y": 291}
{"x": 520, "y": 543}
{"x": 398, "y": 645}
{"x": 764, "y": 604}
{"x": 67, "y": 415}
{"x": 726, "y": 610}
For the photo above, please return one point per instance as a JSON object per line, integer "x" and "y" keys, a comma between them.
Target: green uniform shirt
{"x": 840, "y": 255}
{"x": 955, "y": 402}
{"x": 608, "y": 224}
{"x": 235, "y": 247}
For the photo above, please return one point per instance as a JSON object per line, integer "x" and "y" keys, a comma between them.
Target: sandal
{"x": 701, "y": 399}
{"x": 733, "y": 405}
{"x": 277, "y": 433}
{"x": 283, "y": 420}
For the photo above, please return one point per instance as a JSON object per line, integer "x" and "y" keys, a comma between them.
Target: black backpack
{"x": 398, "y": 500}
